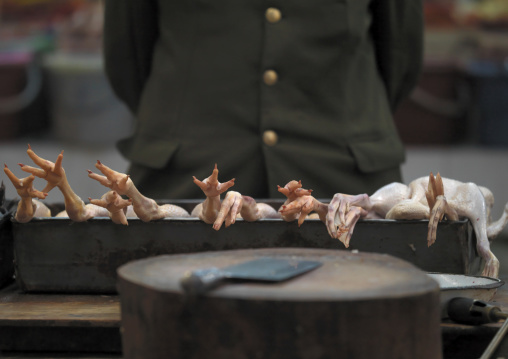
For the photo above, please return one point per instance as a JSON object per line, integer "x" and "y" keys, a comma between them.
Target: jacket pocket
{"x": 150, "y": 152}
{"x": 377, "y": 153}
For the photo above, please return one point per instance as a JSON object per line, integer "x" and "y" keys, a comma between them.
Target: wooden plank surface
{"x": 59, "y": 322}
{"x": 45, "y": 322}
{"x": 58, "y": 356}
{"x": 20, "y": 309}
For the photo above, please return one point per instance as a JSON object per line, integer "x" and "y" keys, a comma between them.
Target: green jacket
{"x": 194, "y": 74}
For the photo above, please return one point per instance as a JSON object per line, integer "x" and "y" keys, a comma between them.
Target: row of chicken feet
{"x": 30, "y": 206}
{"x": 111, "y": 204}
{"x": 212, "y": 210}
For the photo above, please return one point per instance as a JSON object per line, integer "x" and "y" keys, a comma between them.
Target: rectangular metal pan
{"x": 58, "y": 255}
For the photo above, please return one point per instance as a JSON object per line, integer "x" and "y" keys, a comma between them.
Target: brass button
{"x": 272, "y": 15}
{"x": 270, "y": 77}
{"x": 270, "y": 138}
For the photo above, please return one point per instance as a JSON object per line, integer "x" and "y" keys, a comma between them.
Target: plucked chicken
{"x": 424, "y": 198}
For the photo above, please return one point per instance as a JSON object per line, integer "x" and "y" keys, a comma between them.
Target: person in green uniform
{"x": 270, "y": 91}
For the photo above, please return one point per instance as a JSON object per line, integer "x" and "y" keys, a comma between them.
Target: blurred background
{"x": 54, "y": 95}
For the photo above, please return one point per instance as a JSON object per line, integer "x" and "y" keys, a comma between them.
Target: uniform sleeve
{"x": 130, "y": 32}
{"x": 397, "y": 30}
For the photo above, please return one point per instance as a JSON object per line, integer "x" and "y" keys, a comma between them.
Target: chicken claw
{"x": 112, "y": 179}
{"x": 293, "y": 189}
{"x": 55, "y": 176}
{"x": 344, "y": 211}
{"x": 145, "y": 208}
{"x": 236, "y": 206}
{"x": 27, "y": 208}
{"x": 439, "y": 206}
{"x": 116, "y": 206}
{"x": 299, "y": 208}
{"x": 300, "y": 203}
{"x": 229, "y": 210}
{"x": 24, "y": 187}
{"x": 212, "y": 188}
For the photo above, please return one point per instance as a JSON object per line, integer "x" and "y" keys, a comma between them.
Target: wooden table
{"x": 59, "y": 323}
{"x": 46, "y": 326}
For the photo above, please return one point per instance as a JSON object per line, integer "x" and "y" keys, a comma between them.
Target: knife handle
{"x": 473, "y": 311}
{"x": 200, "y": 281}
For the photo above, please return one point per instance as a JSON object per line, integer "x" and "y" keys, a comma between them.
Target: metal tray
{"x": 464, "y": 286}
{"x": 58, "y": 255}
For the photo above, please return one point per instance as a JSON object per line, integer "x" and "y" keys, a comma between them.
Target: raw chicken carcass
{"x": 424, "y": 198}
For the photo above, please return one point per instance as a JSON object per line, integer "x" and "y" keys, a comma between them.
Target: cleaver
{"x": 265, "y": 269}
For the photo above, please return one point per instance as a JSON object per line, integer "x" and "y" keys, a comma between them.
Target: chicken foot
{"x": 300, "y": 203}
{"x": 28, "y": 206}
{"x": 440, "y": 207}
{"x": 209, "y": 209}
{"x": 54, "y": 174}
{"x": 145, "y": 208}
{"x": 234, "y": 205}
{"x": 343, "y": 213}
{"x": 116, "y": 206}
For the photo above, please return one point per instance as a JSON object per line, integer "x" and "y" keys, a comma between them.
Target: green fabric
{"x": 191, "y": 71}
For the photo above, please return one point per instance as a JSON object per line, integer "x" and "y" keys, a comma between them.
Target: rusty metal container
{"x": 355, "y": 306}
{"x": 58, "y": 255}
